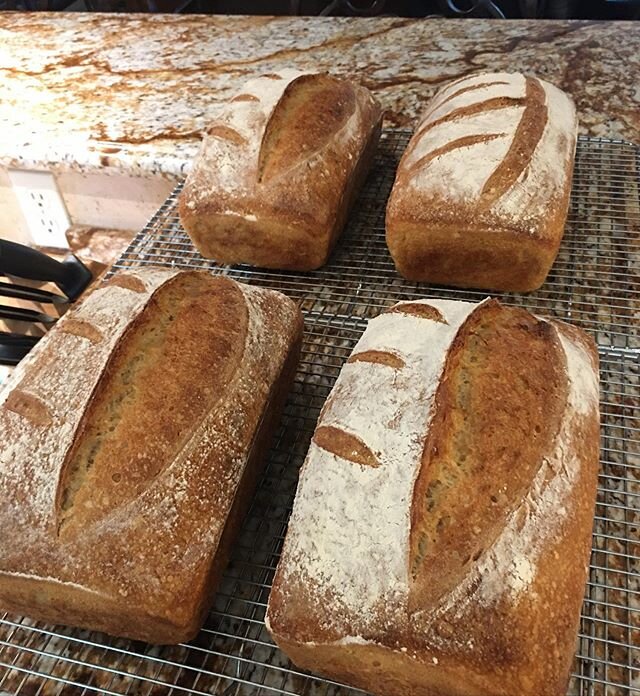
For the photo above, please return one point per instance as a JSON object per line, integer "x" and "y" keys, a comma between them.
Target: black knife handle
{"x": 20, "y": 314}
{"x": 22, "y": 292}
{"x": 14, "y": 347}
{"x": 70, "y": 275}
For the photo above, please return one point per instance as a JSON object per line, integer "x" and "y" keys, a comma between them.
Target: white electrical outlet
{"x": 42, "y": 206}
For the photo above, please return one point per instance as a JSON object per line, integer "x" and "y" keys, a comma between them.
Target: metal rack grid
{"x": 594, "y": 283}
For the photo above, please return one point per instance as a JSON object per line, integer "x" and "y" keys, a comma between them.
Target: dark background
{"x": 584, "y": 9}
{"x": 499, "y": 9}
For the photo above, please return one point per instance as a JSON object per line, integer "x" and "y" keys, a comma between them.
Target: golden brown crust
{"x": 84, "y": 329}
{"x": 482, "y": 192}
{"x": 29, "y": 407}
{"x": 244, "y": 97}
{"x": 277, "y": 194}
{"x": 380, "y": 357}
{"x": 498, "y": 409}
{"x": 251, "y": 475}
{"x": 138, "y": 415}
{"x": 127, "y": 281}
{"x": 477, "y": 262}
{"x": 226, "y": 133}
{"x": 122, "y": 521}
{"x": 344, "y": 445}
{"x": 492, "y": 601}
{"x": 311, "y": 110}
{"x": 378, "y": 670}
{"x": 417, "y": 309}
{"x": 525, "y": 141}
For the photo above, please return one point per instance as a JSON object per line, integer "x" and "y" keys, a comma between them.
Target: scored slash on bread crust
{"x": 474, "y": 424}
{"x": 482, "y": 192}
{"x": 30, "y": 407}
{"x": 300, "y": 128}
{"x": 455, "y": 566}
{"x": 418, "y": 309}
{"x": 83, "y": 328}
{"x": 526, "y": 139}
{"x": 128, "y": 462}
{"x": 381, "y": 357}
{"x": 127, "y": 405}
{"x": 279, "y": 169}
{"x": 344, "y": 445}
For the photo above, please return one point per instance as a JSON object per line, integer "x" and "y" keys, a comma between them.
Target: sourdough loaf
{"x": 482, "y": 192}
{"x": 132, "y": 438}
{"x": 439, "y": 540}
{"x": 279, "y": 169}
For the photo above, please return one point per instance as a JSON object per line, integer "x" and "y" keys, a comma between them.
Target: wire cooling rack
{"x": 594, "y": 283}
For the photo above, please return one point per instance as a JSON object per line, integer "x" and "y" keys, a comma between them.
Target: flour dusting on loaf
{"x": 230, "y": 163}
{"x": 508, "y": 569}
{"x": 482, "y": 192}
{"x": 64, "y": 383}
{"x": 369, "y": 588}
{"x": 279, "y": 167}
{"x": 461, "y": 172}
{"x": 129, "y": 459}
{"x": 346, "y": 540}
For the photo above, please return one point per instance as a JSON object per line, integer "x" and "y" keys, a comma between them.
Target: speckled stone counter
{"x": 131, "y": 93}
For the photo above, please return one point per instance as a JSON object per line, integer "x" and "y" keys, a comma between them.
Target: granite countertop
{"x": 133, "y": 92}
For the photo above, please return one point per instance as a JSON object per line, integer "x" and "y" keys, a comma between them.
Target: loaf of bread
{"x": 439, "y": 540}
{"x": 482, "y": 192}
{"x": 279, "y": 169}
{"x": 132, "y": 437}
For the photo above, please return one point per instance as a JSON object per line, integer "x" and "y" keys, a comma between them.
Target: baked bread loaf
{"x": 482, "y": 192}
{"x": 132, "y": 439}
{"x": 279, "y": 169}
{"x": 440, "y": 536}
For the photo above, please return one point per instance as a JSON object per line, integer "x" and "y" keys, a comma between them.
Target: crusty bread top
{"x": 490, "y": 146}
{"x": 445, "y": 462}
{"x": 281, "y": 132}
{"x": 126, "y": 430}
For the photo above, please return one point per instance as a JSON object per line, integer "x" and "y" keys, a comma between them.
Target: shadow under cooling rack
{"x": 594, "y": 283}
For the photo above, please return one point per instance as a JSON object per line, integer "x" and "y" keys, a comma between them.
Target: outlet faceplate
{"x": 42, "y": 206}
